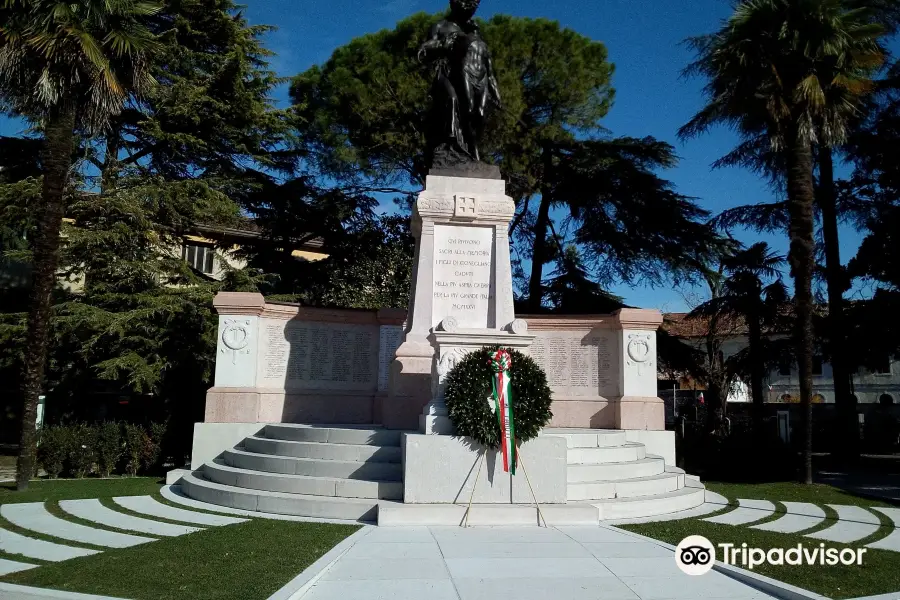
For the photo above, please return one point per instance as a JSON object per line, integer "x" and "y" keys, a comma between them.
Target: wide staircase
{"x": 334, "y": 472}
{"x": 605, "y": 470}
{"x": 343, "y": 472}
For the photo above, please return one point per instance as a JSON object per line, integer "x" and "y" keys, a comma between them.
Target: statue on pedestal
{"x": 464, "y": 89}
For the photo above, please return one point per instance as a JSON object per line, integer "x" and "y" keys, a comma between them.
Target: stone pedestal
{"x": 461, "y": 277}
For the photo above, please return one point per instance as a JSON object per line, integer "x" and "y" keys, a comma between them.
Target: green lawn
{"x": 878, "y": 575}
{"x": 249, "y": 561}
{"x": 76, "y": 489}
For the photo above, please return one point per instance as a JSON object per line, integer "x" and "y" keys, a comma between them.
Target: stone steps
{"x": 337, "y": 434}
{"x": 614, "y": 454}
{"x": 345, "y": 509}
{"x": 312, "y": 467}
{"x": 627, "y": 488}
{"x": 589, "y": 438}
{"x": 688, "y": 497}
{"x": 646, "y": 467}
{"x": 302, "y": 484}
{"x": 323, "y": 450}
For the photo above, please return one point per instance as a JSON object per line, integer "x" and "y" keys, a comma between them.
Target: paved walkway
{"x": 571, "y": 563}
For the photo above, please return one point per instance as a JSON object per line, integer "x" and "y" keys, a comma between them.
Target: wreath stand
{"x": 524, "y": 470}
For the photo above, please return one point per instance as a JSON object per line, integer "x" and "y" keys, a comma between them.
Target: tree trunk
{"x": 59, "y": 144}
{"x": 541, "y": 248}
{"x": 757, "y": 371}
{"x": 847, "y": 426}
{"x": 801, "y": 199}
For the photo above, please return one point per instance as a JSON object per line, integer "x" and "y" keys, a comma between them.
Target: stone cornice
{"x": 568, "y": 322}
{"x": 633, "y": 318}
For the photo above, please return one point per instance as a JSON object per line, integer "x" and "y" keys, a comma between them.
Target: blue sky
{"x": 644, "y": 41}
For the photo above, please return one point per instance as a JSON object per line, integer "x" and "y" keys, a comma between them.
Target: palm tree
{"x": 776, "y": 67}
{"x": 68, "y": 66}
{"x": 751, "y": 294}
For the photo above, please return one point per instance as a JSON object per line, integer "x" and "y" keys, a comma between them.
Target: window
{"x": 817, "y": 366}
{"x": 886, "y": 400}
{"x": 202, "y": 258}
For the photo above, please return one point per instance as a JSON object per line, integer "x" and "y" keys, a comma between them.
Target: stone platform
{"x": 359, "y": 473}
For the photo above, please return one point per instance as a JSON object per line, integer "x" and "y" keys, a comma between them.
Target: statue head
{"x": 465, "y": 9}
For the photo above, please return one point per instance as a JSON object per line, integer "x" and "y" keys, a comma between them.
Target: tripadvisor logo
{"x": 696, "y": 555}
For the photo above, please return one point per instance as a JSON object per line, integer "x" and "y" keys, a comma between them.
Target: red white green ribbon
{"x": 500, "y": 364}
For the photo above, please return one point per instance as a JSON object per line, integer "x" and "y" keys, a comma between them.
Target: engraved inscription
{"x": 318, "y": 355}
{"x": 463, "y": 268}
{"x": 389, "y": 340}
{"x": 577, "y": 365}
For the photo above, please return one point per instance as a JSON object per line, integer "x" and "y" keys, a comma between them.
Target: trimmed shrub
{"x": 109, "y": 447}
{"x": 53, "y": 449}
{"x": 82, "y": 450}
{"x": 138, "y": 448}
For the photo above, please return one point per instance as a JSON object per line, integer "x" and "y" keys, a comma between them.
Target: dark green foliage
{"x": 82, "y": 450}
{"x": 139, "y": 448}
{"x": 469, "y": 397}
{"x": 109, "y": 447}
{"x": 54, "y": 449}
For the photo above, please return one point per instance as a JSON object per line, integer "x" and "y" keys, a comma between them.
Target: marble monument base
{"x": 439, "y": 469}
{"x": 451, "y": 346}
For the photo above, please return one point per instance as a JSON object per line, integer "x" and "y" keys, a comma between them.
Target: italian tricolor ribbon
{"x": 501, "y": 362}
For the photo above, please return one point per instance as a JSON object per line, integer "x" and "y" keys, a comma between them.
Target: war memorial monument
{"x": 340, "y": 413}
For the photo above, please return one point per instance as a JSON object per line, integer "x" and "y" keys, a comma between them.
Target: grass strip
{"x": 248, "y": 561}
{"x": 876, "y": 576}
{"x": 44, "y": 490}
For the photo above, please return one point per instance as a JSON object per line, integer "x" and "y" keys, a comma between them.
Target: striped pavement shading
{"x": 748, "y": 511}
{"x": 891, "y": 542}
{"x": 800, "y": 516}
{"x": 855, "y": 523}
{"x": 147, "y": 505}
{"x": 67, "y": 535}
{"x": 13, "y": 543}
{"x": 11, "y": 566}
{"x": 93, "y": 510}
{"x": 35, "y": 517}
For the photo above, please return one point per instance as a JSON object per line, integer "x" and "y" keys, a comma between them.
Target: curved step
{"x": 342, "y": 434}
{"x": 686, "y": 498}
{"x": 615, "y": 454}
{"x": 647, "y": 467}
{"x": 313, "y": 467}
{"x": 589, "y": 438}
{"x": 302, "y": 484}
{"x": 347, "y": 509}
{"x": 626, "y": 488}
{"x": 324, "y": 450}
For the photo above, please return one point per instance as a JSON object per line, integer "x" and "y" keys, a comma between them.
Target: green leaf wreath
{"x": 469, "y": 397}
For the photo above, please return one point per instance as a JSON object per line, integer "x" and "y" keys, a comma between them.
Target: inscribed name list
{"x": 463, "y": 286}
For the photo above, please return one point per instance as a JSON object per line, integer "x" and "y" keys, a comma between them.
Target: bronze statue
{"x": 464, "y": 88}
